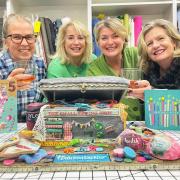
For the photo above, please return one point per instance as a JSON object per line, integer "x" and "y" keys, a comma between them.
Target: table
{"x": 93, "y": 175}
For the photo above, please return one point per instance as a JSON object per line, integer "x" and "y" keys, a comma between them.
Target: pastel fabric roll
{"x": 163, "y": 146}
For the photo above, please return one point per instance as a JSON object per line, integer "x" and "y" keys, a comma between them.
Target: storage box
{"x": 162, "y": 109}
{"x": 84, "y": 107}
{"x": 69, "y": 89}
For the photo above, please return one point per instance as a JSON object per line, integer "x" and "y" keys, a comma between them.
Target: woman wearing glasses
{"x": 19, "y": 45}
{"x": 73, "y": 53}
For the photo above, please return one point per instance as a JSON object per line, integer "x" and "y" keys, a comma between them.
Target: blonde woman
{"x": 111, "y": 37}
{"x": 74, "y": 51}
{"x": 159, "y": 50}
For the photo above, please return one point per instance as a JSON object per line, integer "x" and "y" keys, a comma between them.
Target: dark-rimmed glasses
{"x": 18, "y": 38}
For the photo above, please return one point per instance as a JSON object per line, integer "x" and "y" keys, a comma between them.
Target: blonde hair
{"x": 60, "y": 43}
{"x": 14, "y": 18}
{"x": 114, "y": 24}
{"x": 142, "y": 47}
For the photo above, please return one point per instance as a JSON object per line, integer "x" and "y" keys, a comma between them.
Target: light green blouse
{"x": 57, "y": 69}
{"x": 100, "y": 67}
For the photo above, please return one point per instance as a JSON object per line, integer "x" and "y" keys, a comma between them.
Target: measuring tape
{"x": 55, "y": 143}
{"x": 51, "y": 167}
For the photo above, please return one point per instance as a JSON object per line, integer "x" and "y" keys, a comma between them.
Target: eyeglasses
{"x": 18, "y": 38}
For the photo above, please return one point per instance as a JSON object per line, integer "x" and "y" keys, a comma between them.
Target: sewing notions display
{"x": 68, "y": 115}
{"x": 65, "y": 123}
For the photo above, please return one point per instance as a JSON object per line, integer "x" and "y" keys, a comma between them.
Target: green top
{"x": 56, "y": 69}
{"x": 100, "y": 67}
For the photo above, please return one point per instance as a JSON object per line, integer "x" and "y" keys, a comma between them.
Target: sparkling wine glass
{"x": 30, "y": 69}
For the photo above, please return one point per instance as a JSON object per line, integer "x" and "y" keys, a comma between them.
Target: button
{"x": 147, "y": 157}
{"x": 140, "y": 159}
{"x": 127, "y": 160}
{"x": 98, "y": 126}
{"x": 118, "y": 159}
{"x": 129, "y": 152}
{"x": 99, "y": 149}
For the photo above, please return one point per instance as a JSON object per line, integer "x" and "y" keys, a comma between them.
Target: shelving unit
{"x": 53, "y": 9}
{"x": 148, "y": 9}
{"x": 84, "y": 10}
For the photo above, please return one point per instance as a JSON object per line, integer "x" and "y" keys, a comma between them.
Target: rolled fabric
{"x": 96, "y": 49}
{"x": 163, "y": 146}
{"x": 178, "y": 19}
{"x": 126, "y": 22}
{"x": 137, "y": 27}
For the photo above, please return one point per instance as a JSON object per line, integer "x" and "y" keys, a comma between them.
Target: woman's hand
{"x": 20, "y": 77}
{"x": 137, "y": 88}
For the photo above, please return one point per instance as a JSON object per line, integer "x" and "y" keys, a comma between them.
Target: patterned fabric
{"x": 67, "y": 131}
{"x": 27, "y": 96}
{"x": 170, "y": 80}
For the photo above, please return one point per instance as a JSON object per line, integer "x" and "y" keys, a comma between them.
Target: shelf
{"x": 141, "y": 9}
{"x": 83, "y": 10}
{"x": 130, "y": 1}
{"x": 31, "y": 3}
{"x": 148, "y": 9}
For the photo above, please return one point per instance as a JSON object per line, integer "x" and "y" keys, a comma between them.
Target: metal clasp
{"x": 83, "y": 87}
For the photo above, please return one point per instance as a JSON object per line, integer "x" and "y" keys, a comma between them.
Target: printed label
{"x": 74, "y": 158}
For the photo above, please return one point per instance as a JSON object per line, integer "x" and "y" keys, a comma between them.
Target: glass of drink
{"x": 132, "y": 73}
{"x": 30, "y": 70}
